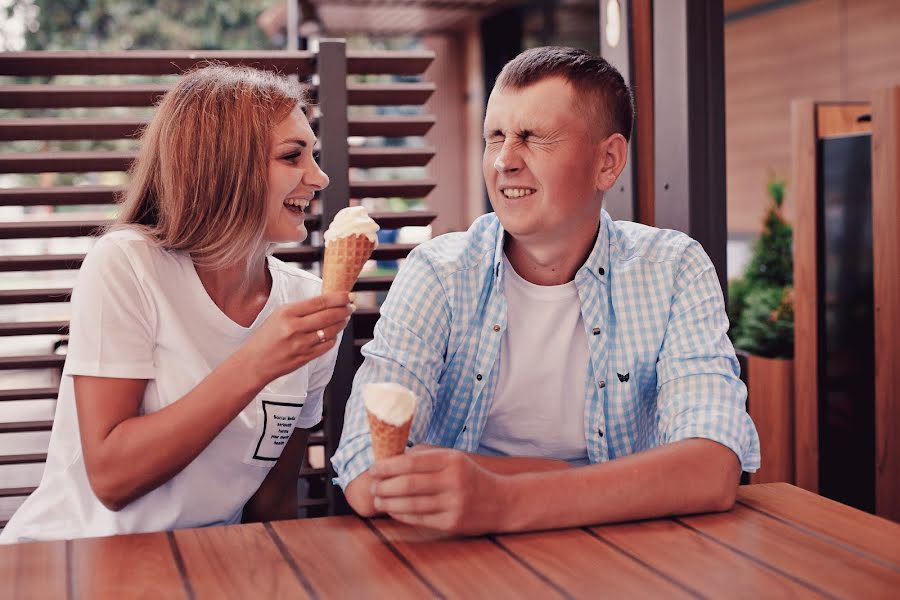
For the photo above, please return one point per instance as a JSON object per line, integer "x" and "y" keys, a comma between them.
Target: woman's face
{"x": 294, "y": 177}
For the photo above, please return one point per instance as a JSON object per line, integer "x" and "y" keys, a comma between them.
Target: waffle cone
{"x": 344, "y": 259}
{"x": 388, "y": 440}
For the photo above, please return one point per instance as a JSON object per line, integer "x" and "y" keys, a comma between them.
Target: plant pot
{"x": 770, "y": 402}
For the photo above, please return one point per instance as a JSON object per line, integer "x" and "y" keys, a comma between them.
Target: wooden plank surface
{"x": 357, "y": 563}
{"x": 126, "y": 566}
{"x": 770, "y": 403}
{"x": 585, "y": 565}
{"x": 815, "y": 561}
{"x": 802, "y": 194}
{"x": 846, "y": 118}
{"x": 886, "y": 275}
{"x": 697, "y": 564}
{"x": 239, "y": 561}
{"x": 465, "y": 567}
{"x": 36, "y": 570}
{"x": 852, "y": 527}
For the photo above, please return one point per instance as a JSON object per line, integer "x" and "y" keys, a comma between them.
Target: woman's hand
{"x": 295, "y": 334}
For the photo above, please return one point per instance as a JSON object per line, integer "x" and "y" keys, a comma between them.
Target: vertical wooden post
{"x": 802, "y": 191}
{"x": 886, "y": 259}
{"x": 331, "y": 67}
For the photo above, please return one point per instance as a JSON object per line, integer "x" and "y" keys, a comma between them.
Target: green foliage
{"x": 145, "y": 24}
{"x": 760, "y": 307}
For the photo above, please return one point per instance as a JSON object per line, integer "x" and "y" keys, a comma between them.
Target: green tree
{"x": 760, "y": 304}
{"x": 144, "y": 24}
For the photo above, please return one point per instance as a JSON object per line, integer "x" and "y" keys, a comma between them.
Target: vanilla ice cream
{"x": 389, "y": 402}
{"x": 353, "y": 220}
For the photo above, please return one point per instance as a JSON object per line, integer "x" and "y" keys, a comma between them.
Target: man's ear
{"x": 612, "y": 154}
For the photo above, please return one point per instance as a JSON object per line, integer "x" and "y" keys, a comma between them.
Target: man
{"x": 569, "y": 369}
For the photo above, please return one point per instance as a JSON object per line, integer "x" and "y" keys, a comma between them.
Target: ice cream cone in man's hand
{"x": 349, "y": 243}
{"x": 390, "y": 408}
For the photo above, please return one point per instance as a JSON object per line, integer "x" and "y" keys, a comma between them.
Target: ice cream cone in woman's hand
{"x": 390, "y": 408}
{"x": 349, "y": 242}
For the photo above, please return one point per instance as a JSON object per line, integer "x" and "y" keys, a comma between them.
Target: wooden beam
{"x": 886, "y": 255}
{"x": 806, "y": 340}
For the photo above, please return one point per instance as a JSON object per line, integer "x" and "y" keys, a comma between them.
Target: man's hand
{"x": 441, "y": 489}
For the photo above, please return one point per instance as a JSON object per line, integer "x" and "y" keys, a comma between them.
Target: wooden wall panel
{"x": 806, "y": 340}
{"x": 886, "y": 250}
{"x": 820, "y": 49}
{"x": 770, "y": 60}
{"x": 770, "y": 404}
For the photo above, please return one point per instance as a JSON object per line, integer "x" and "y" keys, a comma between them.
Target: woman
{"x": 197, "y": 361}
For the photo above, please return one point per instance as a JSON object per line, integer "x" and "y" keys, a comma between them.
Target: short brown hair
{"x": 200, "y": 180}
{"x": 599, "y": 84}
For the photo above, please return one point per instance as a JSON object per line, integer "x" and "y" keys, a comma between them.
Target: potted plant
{"x": 760, "y": 309}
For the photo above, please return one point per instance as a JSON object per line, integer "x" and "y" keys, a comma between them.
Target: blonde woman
{"x": 197, "y": 361}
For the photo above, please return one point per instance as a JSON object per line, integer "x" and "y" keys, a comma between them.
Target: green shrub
{"x": 760, "y": 304}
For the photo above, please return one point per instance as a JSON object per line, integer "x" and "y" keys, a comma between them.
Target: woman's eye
{"x": 292, "y": 157}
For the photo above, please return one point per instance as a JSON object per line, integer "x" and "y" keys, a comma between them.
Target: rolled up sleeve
{"x": 409, "y": 347}
{"x": 700, "y": 394}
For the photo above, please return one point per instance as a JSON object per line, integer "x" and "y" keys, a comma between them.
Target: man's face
{"x": 541, "y": 162}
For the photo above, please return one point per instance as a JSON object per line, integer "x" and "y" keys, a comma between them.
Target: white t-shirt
{"x": 538, "y": 409}
{"x": 141, "y": 312}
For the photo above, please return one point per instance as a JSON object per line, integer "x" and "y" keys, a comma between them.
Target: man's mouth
{"x": 513, "y": 193}
{"x": 296, "y": 205}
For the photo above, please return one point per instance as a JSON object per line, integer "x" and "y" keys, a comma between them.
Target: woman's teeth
{"x": 517, "y": 192}
{"x": 297, "y": 203}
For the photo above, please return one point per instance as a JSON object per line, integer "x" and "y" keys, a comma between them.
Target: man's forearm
{"x": 515, "y": 465}
{"x": 690, "y": 476}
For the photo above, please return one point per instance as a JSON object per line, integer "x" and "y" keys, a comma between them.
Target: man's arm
{"x": 359, "y": 491}
{"x": 448, "y": 490}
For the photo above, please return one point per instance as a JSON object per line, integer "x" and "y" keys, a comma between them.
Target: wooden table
{"x": 779, "y": 541}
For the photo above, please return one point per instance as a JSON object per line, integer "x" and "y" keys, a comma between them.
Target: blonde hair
{"x": 200, "y": 180}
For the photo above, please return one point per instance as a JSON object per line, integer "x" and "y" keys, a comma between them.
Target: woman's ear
{"x": 611, "y": 157}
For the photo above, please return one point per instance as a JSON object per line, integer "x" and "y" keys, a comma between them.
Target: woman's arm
{"x": 128, "y": 455}
{"x": 276, "y": 498}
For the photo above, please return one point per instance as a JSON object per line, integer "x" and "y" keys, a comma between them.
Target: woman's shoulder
{"x": 301, "y": 283}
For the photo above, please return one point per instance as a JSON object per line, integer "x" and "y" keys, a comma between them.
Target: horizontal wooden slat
{"x": 302, "y": 254}
{"x": 21, "y": 459}
{"x": 369, "y": 158}
{"x": 86, "y": 96}
{"x": 35, "y": 328}
{"x": 16, "y": 491}
{"x": 28, "y": 394}
{"x": 396, "y": 188}
{"x": 166, "y": 62}
{"x": 70, "y": 129}
{"x": 388, "y": 94}
{"x": 22, "y": 426}
{"x": 372, "y": 284}
{"x": 60, "y": 195}
{"x": 120, "y": 128}
{"x": 393, "y": 126}
{"x": 392, "y": 62}
{"x": 50, "y": 229}
{"x": 134, "y": 95}
{"x": 53, "y": 229}
{"x": 32, "y": 361}
{"x": 58, "y": 162}
{"x": 76, "y": 195}
{"x": 66, "y": 162}
{"x": 33, "y": 296}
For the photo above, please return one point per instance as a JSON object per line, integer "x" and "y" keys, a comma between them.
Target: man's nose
{"x": 316, "y": 178}
{"x": 508, "y": 160}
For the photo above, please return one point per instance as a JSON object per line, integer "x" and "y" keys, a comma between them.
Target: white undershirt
{"x": 538, "y": 409}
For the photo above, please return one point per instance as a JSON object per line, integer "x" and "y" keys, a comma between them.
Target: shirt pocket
{"x": 276, "y": 418}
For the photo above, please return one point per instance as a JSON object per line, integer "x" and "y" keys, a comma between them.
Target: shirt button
{"x": 602, "y": 384}
{"x": 596, "y": 331}
{"x": 602, "y": 271}
{"x": 478, "y": 377}
{"x": 600, "y": 432}
{"x": 465, "y": 428}
{"x": 496, "y": 328}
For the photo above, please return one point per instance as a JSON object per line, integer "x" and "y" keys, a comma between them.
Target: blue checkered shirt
{"x": 652, "y": 308}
